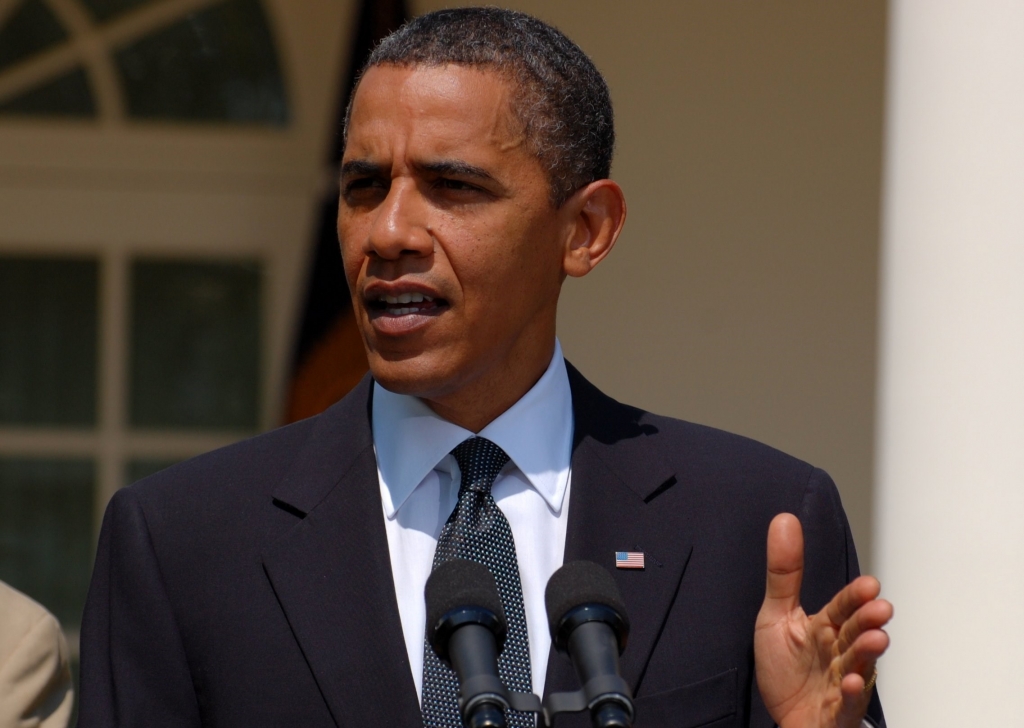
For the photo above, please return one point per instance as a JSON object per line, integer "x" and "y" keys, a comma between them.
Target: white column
{"x": 950, "y": 468}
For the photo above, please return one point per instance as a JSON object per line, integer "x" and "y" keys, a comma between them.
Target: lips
{"x": 397, "y": 312}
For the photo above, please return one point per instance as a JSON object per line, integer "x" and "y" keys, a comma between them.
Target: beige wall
{"x": 742, "y": 293}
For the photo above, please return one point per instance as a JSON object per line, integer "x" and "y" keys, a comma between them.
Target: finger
{"x": 861, "y": 656}
{"x": 873, "y": 615}
{"x": 854, "y": 700}
{"x": 856, "y": 668}
{"x": 852, "y": 597}
{"x": 785, "y": 563}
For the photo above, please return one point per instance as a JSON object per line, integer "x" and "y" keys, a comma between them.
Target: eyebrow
{"x": 364, "y": 167}
{"x": 456, "y": 167}
{"x": 361, "y": 167}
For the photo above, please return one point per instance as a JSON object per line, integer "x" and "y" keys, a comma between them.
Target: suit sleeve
{"x": 134, "y": 670}
{"x": 830, "y": 556}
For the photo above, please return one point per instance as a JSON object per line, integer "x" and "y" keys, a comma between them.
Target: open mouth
{"x": 406, "y": 304}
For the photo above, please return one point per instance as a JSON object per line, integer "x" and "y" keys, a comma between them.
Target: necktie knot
{"x": 480, "y": 461}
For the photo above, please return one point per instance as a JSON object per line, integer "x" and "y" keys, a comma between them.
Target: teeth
{"x": 402, "y": 298}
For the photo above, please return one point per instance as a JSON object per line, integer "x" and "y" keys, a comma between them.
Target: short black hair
{"x": 563, "y": 101}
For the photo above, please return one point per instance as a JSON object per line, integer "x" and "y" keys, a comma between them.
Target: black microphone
{"x": 588, "y": 622}
{"x": 466, "y": 628}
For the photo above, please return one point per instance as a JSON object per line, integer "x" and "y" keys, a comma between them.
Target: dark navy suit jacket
{"x": 252, "y": 586}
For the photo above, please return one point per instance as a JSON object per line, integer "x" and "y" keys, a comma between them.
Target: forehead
{"x": 434, "y": 110}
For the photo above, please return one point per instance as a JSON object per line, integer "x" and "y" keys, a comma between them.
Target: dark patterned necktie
{"x": 478, "y": 531}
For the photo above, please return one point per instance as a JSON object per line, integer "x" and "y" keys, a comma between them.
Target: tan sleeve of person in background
{"x": 35, "y": 676}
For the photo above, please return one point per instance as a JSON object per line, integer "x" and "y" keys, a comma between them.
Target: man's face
{"x": 452, "y": 248}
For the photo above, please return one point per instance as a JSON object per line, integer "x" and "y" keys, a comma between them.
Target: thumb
{"x": 785, "y": 564}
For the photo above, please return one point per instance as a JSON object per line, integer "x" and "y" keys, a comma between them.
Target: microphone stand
{"x": 612, "y": 714}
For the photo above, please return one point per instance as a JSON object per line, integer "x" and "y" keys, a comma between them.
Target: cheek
{"x": 352, "y": 265}
{"x": 352, "y": 257}
{"x": 537, "y": 257}
{"x": 519, "y": 268}
{"x": 352, "y": 272}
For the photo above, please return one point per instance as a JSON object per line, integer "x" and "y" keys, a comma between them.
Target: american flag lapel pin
{"x": 629, "y": 559}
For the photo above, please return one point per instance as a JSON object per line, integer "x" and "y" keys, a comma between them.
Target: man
{"x": 279, "y": 581}
{"x": 35, "y": 676}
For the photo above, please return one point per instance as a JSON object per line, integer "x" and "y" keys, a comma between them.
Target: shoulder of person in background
{"x": 35, "y": 675}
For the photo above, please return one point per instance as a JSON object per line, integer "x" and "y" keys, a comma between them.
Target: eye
{"x": 361, "y": 186}
{"x": 456, "y": 184}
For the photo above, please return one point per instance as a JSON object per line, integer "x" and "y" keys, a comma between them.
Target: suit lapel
{"x": 616, "y": 468}
{"x": 331, "y": 573}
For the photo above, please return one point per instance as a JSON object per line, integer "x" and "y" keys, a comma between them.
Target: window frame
{"x": 115, "y": 190}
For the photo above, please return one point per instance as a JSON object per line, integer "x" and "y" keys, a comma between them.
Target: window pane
{"x": 67, "y": 95}
{"x": 48, "y": 335}
{"x": 217, "y": 64}
{"x": 29, "y": 29}
{"x": 106, "y": 9}
{"x": 196, "y": 344}
{"x": 46, "y": 532}
{"x": 143, "y": 468}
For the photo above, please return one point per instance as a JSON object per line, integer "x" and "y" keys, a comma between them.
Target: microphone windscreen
{"x": 578, "y": 583}
{"x": 460, "y": 583}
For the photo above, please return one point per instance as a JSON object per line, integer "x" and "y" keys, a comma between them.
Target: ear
{"x": 597, "y": 213}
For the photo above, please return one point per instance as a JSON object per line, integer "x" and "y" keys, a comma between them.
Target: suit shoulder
{"x": 255, "y": 463}
{"x": 712, "y": 449}
{"x": 697, "y": 451}
{"x": 252, "y": 467}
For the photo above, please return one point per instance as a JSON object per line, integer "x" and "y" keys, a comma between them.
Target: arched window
{"x": 199, "y": 61}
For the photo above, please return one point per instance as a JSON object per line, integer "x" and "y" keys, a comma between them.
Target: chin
{"x": 422, "y": 376}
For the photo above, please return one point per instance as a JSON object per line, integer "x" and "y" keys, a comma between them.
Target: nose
{"x": 399, "y": 228}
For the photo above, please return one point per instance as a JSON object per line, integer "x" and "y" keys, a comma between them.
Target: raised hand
{"x": 812, "y": 671}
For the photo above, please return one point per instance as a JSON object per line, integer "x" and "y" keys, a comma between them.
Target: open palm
{"x": 812, "y": 670}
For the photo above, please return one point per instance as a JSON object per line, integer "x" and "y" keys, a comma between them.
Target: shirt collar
{"x": 411, "y": 440}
